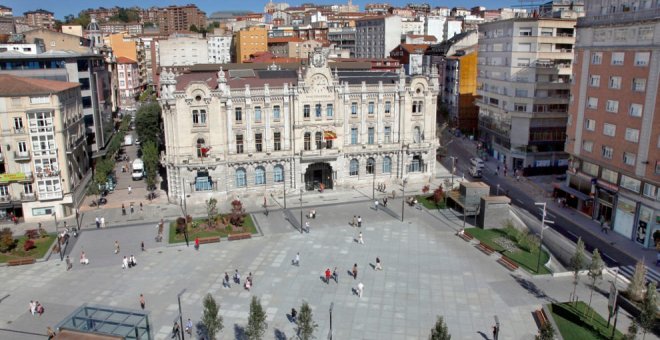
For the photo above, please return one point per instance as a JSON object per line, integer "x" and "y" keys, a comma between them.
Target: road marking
{"x": 550, "y": 215}
{"x": 519, "y": 201}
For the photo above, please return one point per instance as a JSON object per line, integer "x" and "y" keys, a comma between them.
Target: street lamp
{"x": 57, "y": 234}
{"x": 543, "y": 227}
{"x": 178, "y": 298}
{"x": 284, "y": 187}
{"x": 498, "y": 190}
{"x": 301, "y": 211}
{"x": 332, "y": 305}
{"x": 403, "y": 202}
{"x": 453, "y": 170}
{"x": 373, "y": 183}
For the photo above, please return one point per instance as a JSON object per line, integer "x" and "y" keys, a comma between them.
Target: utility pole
{"x": 403, "y": 202}
{"x": 178, "y": 298}
{"x": 543, "y": 227}
{"x": 301, "y": 212}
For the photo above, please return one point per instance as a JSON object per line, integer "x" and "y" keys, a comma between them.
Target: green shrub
{"x": 6, "y": 240}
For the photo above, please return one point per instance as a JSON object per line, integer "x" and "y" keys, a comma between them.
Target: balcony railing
{"x": 28, "y": 197}
{"x": 48, "y": 173}
{"x": 29, "y": 177}
{"x": 50, "y": 195}
{"x": 5, "y": 198}
{"x": 22, "y": 155}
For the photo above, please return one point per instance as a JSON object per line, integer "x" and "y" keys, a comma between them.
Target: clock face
{"x": 319, "y": 80}
{"x": 318, "y": 60}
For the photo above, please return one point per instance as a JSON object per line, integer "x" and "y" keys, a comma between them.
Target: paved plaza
{"x": 427, "y": 271}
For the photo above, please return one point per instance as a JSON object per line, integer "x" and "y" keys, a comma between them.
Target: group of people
{"x": 237, "y": 280}
{"x": 357, "y": 221}
{"x": 36, "y": 308}
{"x": 331, "y": 275}
{"x": 128, "y": 262}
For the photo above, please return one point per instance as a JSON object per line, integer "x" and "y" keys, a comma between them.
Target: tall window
{"x": 308, "y": 141}
{"x": 317, "y": 110}
{"x": 306, "y": 111}
{"x": 387, "y": 135}
{"x": 416, "y": 164}
{"x": 202, "y": 149}
{"x": 329, "y": 111}
{"x": 607, "y": 152}
{"x": 370, "y": 135}
{"x": 387, "y": 164}
{"x": 239, "y": 143}
{"x": 240, "y": 178}
{"x": 388, "y": 107}
{"x": 371, "y": 166}
{"x": 258, "y": 142}
{"x": 318, "y": 140}
{"x": 417, "y": 135}
{"x": 199, "y": 117}
{"x": 260, "y": 176}
{"x": 277, "y": 141}
{"x": 18, "y": 123}
{"x": 370, "y": 108}
{"x": 276, "y": 112}
{"x": 615, "y": 82}
{"x": 354, "y": 109}
{"x": 257, "y": 113}
{"x": 278, "y": 174}
{"x": 354, "y": 136}
{"x": 354, "y": 167}
{"x": 239, "y": 114}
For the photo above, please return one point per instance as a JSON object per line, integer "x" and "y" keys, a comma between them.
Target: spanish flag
{"x": 329, "y": 135}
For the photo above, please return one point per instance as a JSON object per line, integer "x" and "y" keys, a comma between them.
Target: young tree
{"x": 256, "y": 326}
{"x": 577, "y": 264}
{"x": 595, "y": 272}
{"x": 438, "y": 196}
{"x": 632, "y": 331}
{"x": 147, "y": 122}
{"x": 649, "y": 309}
{"x": 440, "y": 331}
{"x": 150, "y": 158}
{"x": 547, "y": 332}
{"x": 211, "y": 209}
{"x": 305, "y": 323}
{"x": 636, "y": 286}
{"x": 210, "y": 319}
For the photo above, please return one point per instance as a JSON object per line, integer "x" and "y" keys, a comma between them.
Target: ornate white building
{"x": 252, "y": 132}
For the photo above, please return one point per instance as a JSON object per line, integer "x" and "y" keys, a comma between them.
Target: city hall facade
{"x": 252, "y": 133}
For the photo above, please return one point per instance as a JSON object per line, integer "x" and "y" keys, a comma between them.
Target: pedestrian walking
{"x": 98, "y": 223}
{"x": 132, "y": 208}
{"x": 189, "y": 327}
{"x": 140, "y": 206}
{"x": 335, "y": 275}
{"x": 376, "y": 205}
{"x": 116, "y": 247}
{"x": 142, "y": 245}
{"x": 131, "y": 261}
{"x": 123, "y": 209}
{"x": 602, "y": 223}
{"x": 384, "y": 201}
{"x": 360, "y": 289}
{"x": 175, "y": 330}
{"x": 102, "y": 222}
{"x": 296, "y": 260}
{"x": 360, "y": 239}
{"x": 498, "y": 170}
{"x": 307, "y": 226}
{"x": 294, "y": 314}
{"x": 359, "y": 221}
{"x": 496, "y": 332}
{"x": 313, "y": 213}
{"x": 327, "y": 276}
{"x": 378, "y": 266}
{"x": 354, "y": 222}
{"x": 33, "y": 307}
{"x": 355, "y": 270}
{"x": 237, "y": 277}
{"x": 142, "y": 302}
{"x": 196, "y": 243}
{"x": 69, "y": 265}
{"x": 130, "y": 190}
{"x": 607, "y": 227}
{"x": 124, "y": 263}
{"x": 225, "y": 281}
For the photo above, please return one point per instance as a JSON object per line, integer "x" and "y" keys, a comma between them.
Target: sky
{"x": 65, "y": 7}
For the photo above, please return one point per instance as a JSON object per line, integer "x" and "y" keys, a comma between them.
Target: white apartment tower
{"x": 377, "y": 36}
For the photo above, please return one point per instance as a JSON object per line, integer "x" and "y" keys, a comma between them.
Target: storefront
{"x": 574, "y": 199}
{"x": 624, "y": 219}
{"x": 645, "y": 223}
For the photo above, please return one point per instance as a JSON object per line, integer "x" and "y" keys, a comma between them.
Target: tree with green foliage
{"x": 649, "y": 309}
{"x": 147, "y": 122}
{"x": 211, "y": 319}
{"x": 632, "y": 331}
{"x": 6, "y": 240}
{"x": 547, "y": 332}
{"x": 147, "y": 95}
{"x": 305, "y": 323}
{"x": 211, "y": 209}
{"x": 440, "y": 330}
{"x": 256, "y": 326}
{"x": 636, "y": 285}
{"x": 193, "y": 28}
{"x": 576, "y": 265}
{"x": 595, "y": 272}
{"x": 150, "y": 159}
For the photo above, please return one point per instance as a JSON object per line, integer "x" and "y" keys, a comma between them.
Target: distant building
{"x": 377, "y": 36}
{"x": 40, "y": 18}
{"x": 435, "y": 25}
{"x": 76, "y": 30}
{"x": 132, "y": 28}
{"x": 452, "y": 27}
{"x": 249, "y": 41}
{"x": 420, "y": 39}
{"x": 6, "y": 11}
{"x": 173, "y": 19}
{"x": 51, "y": 40}
{"x": 411, "y": 56}
{"x": 343, "y": 37}
{"x": 183, "y": 49}
{"x": 45, "y": 160}
{"x": 22, "y": 48}
{"x": 128, "y": 79}
{"x": 220, "y": 48}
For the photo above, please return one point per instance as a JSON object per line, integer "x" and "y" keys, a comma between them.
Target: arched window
{"x": 371, "y": 166}
{"x": 308, "y": 141}
{"x": 318, "y": 140}
{"x": 417, "y": 134}
{"x": 387, "y": 164}
{"x": 202, "y": 149}
{"x": 240, "y": 178}
{"x": 354, "y": 167}
{"x": 278, "y": 174}
{"x": 260, "y": 176}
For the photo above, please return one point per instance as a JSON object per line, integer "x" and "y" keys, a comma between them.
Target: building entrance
{"x": 317, "y": 174}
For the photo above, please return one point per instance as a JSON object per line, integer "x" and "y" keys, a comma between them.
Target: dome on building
{"x": 93, "y": 26}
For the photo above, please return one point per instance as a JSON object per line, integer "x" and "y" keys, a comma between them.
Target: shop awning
{"x": 579, "y": 194}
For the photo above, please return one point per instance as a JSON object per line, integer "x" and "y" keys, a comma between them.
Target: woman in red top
{"x": 196, "y": 243}
{"x": 327, "y": 276}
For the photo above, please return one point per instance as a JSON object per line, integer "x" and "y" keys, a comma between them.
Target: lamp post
{"x": 284, "y": 187}
{"x": 332, "y": 305}
{"x": 178, "y": 298}
{"x": 403, "y": 202}
{"x": 543, "y": 227}
{"x": 453, "y": 169}
{"x": 373, "y": 183}
{"x": 498, "y": 190}
{"x": 301, "y": 211}
{"x": 57, "y": 234}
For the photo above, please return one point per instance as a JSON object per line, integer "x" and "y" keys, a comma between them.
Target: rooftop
{"x": 19, "y": 86}
{"x": 124, "y": 60}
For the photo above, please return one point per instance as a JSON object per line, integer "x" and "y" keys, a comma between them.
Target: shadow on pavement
{"x": 532, "y": 288}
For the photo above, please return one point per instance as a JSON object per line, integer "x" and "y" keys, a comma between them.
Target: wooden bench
{"x": 485, "y": 248}
{"x": 465, "y": 236}
{"x": 508, "y": 263}
{"x": 239, "y": 236}
{"x": 542, "y": 320}
{"x": 22, "y": 261}
{"x": 210, "y": 239}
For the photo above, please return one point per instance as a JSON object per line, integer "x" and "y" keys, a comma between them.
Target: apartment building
{"x": 376, "y": 37}
{"x": 44, "y": 160}
{"x": 249, "y": 41}
{"x": 524, "y": 83}
{"x": 40, "y": 18}
{"x": 613, "y": 133}
{"x": 219, "y": 46}
{"x": 173, "y": 19}
{"x": 183, "y": 49}
{"x": 128, "y": 80}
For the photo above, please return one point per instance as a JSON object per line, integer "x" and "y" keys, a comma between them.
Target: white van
{"x": 477, "y": 162}
{"x": 475, "y": 171}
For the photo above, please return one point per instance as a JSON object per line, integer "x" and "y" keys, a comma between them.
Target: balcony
{"x": 28, "y": 197}
{"x": 22, "y": 155}
{"x": 48, "y": 173}
{"x": 5, "y": 198}
{"x": 319, "y": 154}
{"x": 20, "y": 131}
{"x": 29, "y": 178}
{"x": 50, "y": 195}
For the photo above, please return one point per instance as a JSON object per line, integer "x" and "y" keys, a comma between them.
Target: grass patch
{"x": 42, "y": 245}
{"x": 573, "y": 322}
{"x": 524, "y": 257}
{"x": 221, "y": 231}
{"x": 428, "y": 203}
